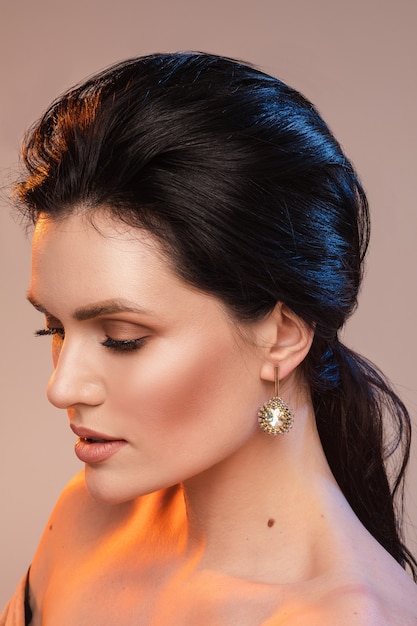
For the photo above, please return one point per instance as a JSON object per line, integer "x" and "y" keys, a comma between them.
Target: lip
{"x": 90, "y": 451}
{"x": 87, "y": 433}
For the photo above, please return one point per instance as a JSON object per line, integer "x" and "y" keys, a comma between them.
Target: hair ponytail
{"x": 362, "y": 425}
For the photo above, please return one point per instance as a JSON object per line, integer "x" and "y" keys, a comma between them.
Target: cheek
{"x": 186, "y": 392}
{"x": 183, "y": 407}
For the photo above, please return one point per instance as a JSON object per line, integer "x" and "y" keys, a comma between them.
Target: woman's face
{"x": 151, "y": 366}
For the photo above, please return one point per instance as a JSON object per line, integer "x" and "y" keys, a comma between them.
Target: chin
{"x": 104, "y": 487}
{"x": 115, "y": 488}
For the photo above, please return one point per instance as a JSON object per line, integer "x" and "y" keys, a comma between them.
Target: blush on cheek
{"x": 175, "y": 395}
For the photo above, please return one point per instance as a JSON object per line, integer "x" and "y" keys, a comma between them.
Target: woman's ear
{"x": 286, "y": 340}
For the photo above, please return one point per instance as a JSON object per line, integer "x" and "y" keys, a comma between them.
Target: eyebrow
{"x": 106, "y": 307}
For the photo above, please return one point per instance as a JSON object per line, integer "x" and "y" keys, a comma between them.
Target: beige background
{"x": 355, "y": 60}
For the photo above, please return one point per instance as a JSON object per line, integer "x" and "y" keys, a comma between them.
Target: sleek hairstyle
{"x": 254, "y": 201}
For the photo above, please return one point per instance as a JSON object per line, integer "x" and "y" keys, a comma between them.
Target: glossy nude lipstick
{"x": 93, "y": 447}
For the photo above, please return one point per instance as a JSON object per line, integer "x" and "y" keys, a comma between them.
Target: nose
{"x": 75, "y": 379}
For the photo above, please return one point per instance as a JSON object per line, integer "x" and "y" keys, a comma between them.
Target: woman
{"x": 199, "y": 243}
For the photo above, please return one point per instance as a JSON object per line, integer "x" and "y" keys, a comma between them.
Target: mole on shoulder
{"x": 271, "y": 522}
{"x": 50, "y": 527}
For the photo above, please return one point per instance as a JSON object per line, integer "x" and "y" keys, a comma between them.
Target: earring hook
{"x": 276, "y": 381}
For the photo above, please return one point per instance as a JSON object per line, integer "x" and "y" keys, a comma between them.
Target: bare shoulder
{"x": 354, "y": 604}
{"x": 368, "y": 605}
{"x": 76, "y": 510}
{"x": 77, "y": 521}
{"x": 81, "y": 526}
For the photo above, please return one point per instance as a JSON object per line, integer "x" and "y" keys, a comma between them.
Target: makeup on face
{"x": 157, "y": 382}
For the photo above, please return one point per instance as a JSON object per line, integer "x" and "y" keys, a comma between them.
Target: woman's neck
{"x": 259, "y": 514}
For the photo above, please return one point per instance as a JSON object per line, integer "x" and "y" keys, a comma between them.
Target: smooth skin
{"x": 200, "y": 517}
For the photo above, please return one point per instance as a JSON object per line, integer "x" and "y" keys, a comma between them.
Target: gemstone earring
{"x": 275, "y": 416}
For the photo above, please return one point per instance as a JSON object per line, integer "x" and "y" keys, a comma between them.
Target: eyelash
{"x": 117, "y": 345}
{"x": 50, "y": 331}
{"x": 125, "y": 345}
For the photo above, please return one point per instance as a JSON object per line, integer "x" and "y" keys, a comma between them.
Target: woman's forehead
{"x": 76, "y": 262}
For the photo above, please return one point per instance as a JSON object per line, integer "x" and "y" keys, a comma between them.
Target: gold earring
{"x": 275, "y": 416}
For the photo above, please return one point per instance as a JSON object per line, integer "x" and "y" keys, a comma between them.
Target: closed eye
{"x": 123, "y": 345}
{"x": 118, "y": 345}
